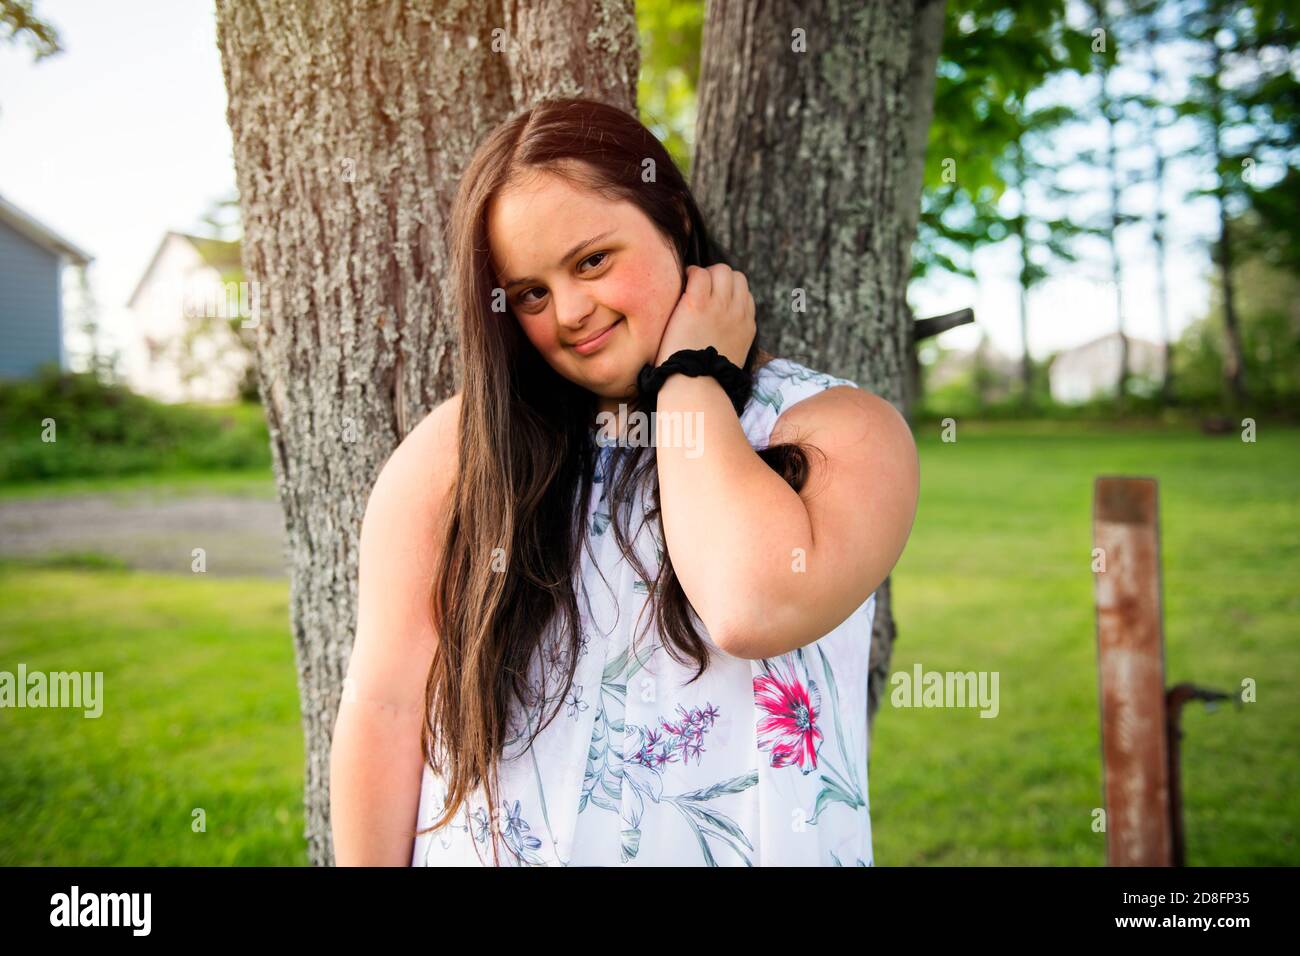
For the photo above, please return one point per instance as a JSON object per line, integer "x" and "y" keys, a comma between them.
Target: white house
{"x": 954, "y": 365}
{"x": 1091, "y": 370}
{"x": 181, "y": 346}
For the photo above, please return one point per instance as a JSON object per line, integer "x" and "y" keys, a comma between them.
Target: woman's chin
{"x": 616, "y": 383}
{"x": 606, "y": 370}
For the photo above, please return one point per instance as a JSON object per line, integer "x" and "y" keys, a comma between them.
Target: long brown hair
{"x": 518, "y": 513}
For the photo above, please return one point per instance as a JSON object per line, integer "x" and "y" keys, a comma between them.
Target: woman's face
{"x": 574, "y": 266}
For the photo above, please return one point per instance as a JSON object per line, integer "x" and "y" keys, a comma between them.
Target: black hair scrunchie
{"x": 695, "y": 362}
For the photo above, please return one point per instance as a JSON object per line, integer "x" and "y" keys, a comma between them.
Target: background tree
{"x": 1215, "y": 26}
{"x": 19, "y": 20}
{"x": 1043, "y": 236}
{"x": 995, "y": 53}
{"x": 1116, "y": 179}
{"x": 1246, "y": 98}
{"x": 1268, "y": 305}
{"x": 20, "y": 23}
{"x": 813, "y": 123}
{"x": 351, "y": 126}
{"x": 1151, "y": 22}
{"x": 1269, "y": 95}
{"x": 103, "y": 365}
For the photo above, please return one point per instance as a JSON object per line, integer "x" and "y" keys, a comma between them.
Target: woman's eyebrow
{"x": 563, "y": 259}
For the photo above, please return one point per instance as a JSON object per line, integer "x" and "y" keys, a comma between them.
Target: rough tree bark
{"x": 351, "y": 124}
{"x": 809, "y": 161}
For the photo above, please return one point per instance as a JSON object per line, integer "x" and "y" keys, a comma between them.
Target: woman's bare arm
{"x": 769, "y": 569}
{"x": 375, "y": 757}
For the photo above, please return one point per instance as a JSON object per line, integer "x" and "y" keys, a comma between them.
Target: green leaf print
{"x": 771, "y": 398}
{"x": 631, "y": 843}
{"x": 831, "y": 793}
{"x": 841, "y": 737}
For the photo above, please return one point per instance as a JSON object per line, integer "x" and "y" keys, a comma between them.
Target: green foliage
{"x": 1268, "y": 311}
{"x": 671, "y": 32}
{"x": 1245, "y": 96}
{"x": 18, "y": 19}
{"x": 106, "y": 429}
{"x": 994, "y": 56}
{"x": 1272, "y": 102}
{"x": 978, "y": 393}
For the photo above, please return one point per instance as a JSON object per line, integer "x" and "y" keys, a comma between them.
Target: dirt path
{"x": 239, "y": 535}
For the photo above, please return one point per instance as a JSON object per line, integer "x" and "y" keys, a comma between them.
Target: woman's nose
{"x": 572, "y": 306}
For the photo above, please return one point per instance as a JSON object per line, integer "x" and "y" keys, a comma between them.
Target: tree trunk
{"x": 1234, "y": 372}
{"x": 811, "y": 145}
{"x": 1152, "y": 38}
{"x": 1020, "y": 226}
{"x": 351, "y": 124}
{"x": 1106, "y": 106}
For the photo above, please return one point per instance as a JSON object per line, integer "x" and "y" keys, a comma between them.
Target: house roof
{"x": 1133, "y": 340}
{"x": 218, "y": 253}
{"x": 42, "y": 235}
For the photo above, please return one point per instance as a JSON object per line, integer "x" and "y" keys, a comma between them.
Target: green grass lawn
{"x": 249, "y": 482}
{"x": 996, "y": 577}
{"x": 200, "y": 710}
{"x": 201, "y": 694}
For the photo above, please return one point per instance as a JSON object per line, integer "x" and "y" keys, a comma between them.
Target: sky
{"x": 123, "y": 137}
{"x": 119, "y": 138}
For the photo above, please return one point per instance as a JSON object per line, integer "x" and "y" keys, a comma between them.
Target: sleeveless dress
{"x": 756, "y": 763}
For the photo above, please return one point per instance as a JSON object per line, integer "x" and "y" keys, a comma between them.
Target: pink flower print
{"x": 684, "y": 737}
{"x": 788, "y": 710}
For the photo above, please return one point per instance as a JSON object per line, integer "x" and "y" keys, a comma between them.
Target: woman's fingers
{"x": 728, "y": 286}
{"x": 742, "y": 290}
{"x": 722, "y": 279}
{"x": 700, "y": 284}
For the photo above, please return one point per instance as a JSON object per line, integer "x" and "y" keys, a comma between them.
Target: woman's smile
{"x": 597, "y": 341}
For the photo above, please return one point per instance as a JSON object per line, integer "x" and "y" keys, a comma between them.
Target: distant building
{"x": 32, "y": 257}
{"x": 181, "y": 347}
{"x": 1000, "y": 372}
{"x": 1091, "y": 370}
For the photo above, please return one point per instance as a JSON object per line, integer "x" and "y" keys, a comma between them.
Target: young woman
{"x": 579, "y": 647}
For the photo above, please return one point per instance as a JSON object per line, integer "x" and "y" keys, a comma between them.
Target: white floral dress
{"x": 757, "y": 763}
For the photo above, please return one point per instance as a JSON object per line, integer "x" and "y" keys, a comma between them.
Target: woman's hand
{"x": 715, "y": 309}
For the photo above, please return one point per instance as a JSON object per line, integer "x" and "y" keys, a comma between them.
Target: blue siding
{"x": 30, "y": 305}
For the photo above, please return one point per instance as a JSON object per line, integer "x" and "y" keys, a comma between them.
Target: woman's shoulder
{"x": 780, "y": 383}
{"x": 420, "y": 472}
{"x": 439, "y": 429}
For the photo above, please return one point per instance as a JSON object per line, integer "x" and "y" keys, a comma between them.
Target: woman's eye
{"x": 600, "y": 256}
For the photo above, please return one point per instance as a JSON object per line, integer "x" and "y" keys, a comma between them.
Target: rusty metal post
{"x": 1131, "y": 673}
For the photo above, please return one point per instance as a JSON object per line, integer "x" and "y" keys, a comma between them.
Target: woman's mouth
{"x": 597, "y": 342}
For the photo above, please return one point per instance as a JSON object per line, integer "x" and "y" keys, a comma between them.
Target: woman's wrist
{"x": 667, "y": 352}
{"x": 680, "y": 384}
{"x": 705, "y": 362}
